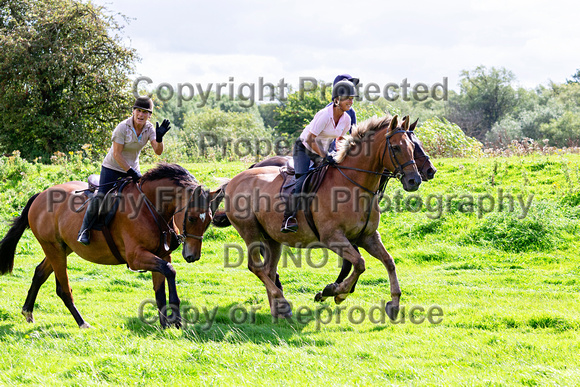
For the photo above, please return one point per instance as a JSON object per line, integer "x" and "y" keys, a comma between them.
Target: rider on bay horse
{"x": 328, "y": 124}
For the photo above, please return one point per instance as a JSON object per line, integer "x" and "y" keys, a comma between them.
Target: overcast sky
{"x": 184, "y": 41}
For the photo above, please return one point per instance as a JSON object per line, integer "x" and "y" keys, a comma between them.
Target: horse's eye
{"x": 191, "y": 219}
{"x": 396, "y": 148}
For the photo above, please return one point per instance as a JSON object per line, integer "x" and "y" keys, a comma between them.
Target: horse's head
{"x": 196, "y": 219}
{"x": 398, "y": 154}
{"x": 176, "y": 194}
{"x": 424, "y": 164}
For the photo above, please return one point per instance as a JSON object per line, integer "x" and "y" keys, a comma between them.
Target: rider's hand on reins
{"x": 134, "y": 175}
{"x": 329, "y": 160}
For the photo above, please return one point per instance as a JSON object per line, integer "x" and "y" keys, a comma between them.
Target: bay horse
{"x": 424, "y": 165}
{"x": 144, "y": 231}
{"x": 375, "y": 145}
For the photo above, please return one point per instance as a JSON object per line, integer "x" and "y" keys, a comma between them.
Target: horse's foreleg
{"x": 266, "y": 271}
{"x": 374, "y": 246}
{"x": 41, "y": 274}
{"x": 160, "y": 297}
{"x": 340, "y": 290}
{"x": 144, "y": 260}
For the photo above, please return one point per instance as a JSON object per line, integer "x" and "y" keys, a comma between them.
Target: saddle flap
{"x": 311, "y": 184}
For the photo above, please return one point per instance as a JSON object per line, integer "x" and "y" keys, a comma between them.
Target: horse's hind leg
{"x": 56, "y": 255}
{"x": 374, "y": 246}
{"x": 41, "y": 274}
{"x": 271, "y": 251}
{"x": 67, "y": 298}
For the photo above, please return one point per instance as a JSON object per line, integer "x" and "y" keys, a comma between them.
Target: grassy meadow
{"x": 488, "y": 259}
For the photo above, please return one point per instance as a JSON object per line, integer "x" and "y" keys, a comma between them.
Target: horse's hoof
{"x": 392, "y": 311}
{"x": 339, "y": 298}
{"x": 319, "y": 297}
{"x": 282, "y": 308}
{"x": 330, "y": 290}
{"x": 85, "y": 326}
{"x": 28, "y": 316}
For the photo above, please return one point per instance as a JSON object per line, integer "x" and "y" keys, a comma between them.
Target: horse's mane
{"x": 359, "y": 132}
{"x": 176, "y": 173}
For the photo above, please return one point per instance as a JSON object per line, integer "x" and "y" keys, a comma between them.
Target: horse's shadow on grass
{"x": 235, "y": 324}
{"x": 35, "y": 331}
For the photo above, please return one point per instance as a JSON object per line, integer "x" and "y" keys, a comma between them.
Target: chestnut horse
{"x": 424, "y": 165}
{"x": 144, "y": 230}
{"x": 376, "y": 144}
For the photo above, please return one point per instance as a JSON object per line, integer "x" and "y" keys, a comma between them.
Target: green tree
{"x": 268, "y": 113}
{"x": 564, "y": 129}
{"x": 216, "y": 134}
{"x": 298, "y": 110}
{"x": 442, "y": 138}
{"x": 575, "y": 77}
{"x": 64, "y": 76}
{"x": 533, "y": 109}
{"x": 486, "y": 96}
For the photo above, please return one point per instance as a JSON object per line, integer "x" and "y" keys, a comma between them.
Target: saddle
{"x": 110, "y": 203}
{"x": 314, "y": 178}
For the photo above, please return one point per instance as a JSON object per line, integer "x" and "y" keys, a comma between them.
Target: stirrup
{"x": 290, "y": 225}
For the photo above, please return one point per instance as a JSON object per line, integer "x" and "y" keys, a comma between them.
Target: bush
{"x": 443, "y": 139}
{"x": 543, "y": 229}
{"x": 218, "y": 135}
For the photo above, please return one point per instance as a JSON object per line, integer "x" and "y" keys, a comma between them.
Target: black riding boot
{"x": 89, "y": 219}
{"x": 290, "y": 224}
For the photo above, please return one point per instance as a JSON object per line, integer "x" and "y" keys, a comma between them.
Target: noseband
{"x": 157, "y": 216}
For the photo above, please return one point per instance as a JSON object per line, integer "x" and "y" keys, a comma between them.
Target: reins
{"x": 165, "y": 225}
{"x": 399, "y": 173}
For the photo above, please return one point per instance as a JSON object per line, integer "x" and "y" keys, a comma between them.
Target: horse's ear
{"x": 405, "y": 124}
{"x": 215, "y": 198}
{"x": 394, "y": 123}
{"x": 413, "y": 125}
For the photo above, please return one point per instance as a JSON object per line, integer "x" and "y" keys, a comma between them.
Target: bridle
{"x": 418, "y": 153}
{"x": 164, "y": 225}
{"x": 399, "y": 173}
{"x": 184, "y": 234}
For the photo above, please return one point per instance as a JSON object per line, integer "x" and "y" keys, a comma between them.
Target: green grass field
{"x": 495, "y": 295}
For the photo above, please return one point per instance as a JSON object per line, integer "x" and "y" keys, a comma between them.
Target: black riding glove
{"x": 133, "y": 174}
{"x": 329, "y": 160}
{"x": 161, "y": 130}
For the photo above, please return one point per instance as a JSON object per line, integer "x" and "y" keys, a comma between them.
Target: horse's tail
{"x": 221, "y": 220}
{"x": 8, "y": 244}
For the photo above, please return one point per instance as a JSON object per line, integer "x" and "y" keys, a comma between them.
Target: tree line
{"x": 65, "y": 81}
